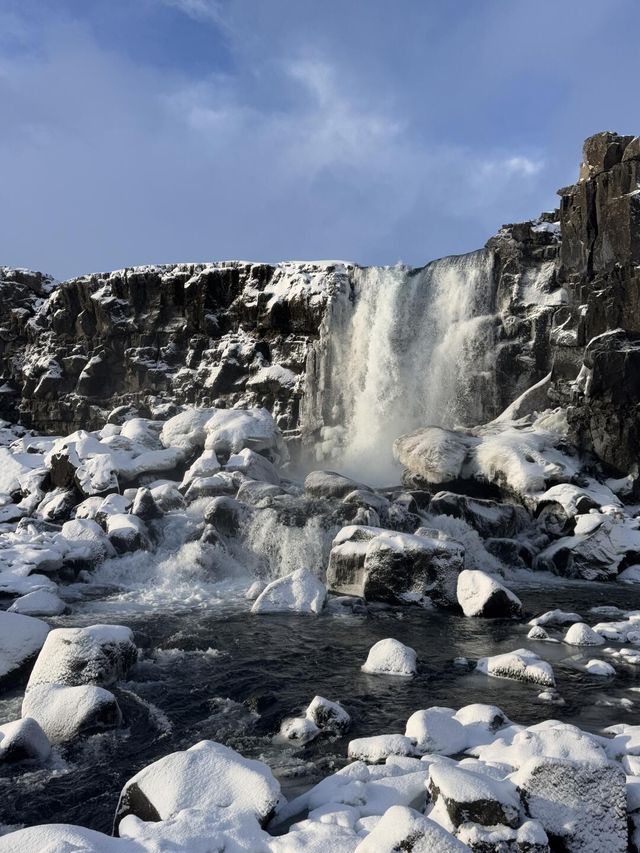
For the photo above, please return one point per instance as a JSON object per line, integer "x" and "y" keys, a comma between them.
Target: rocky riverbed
{"x": 305, "y": 558}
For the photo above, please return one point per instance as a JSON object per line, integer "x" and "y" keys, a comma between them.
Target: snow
{"x": 38, "y": 603}
{"x": 21, "y": 638}
{"x": 204, "y": 466}
{"x": 377, "y": 748}
{"x": 402, "y": 828}
{"x": 98, "y": 654}
{"x": 630, "y": 575}
{"x": 299, "y": 592}
{"x": 205, "y": 776}
{"x": 481, "y": 595}
{"x": 520, "y": 665}
{"x": 229, "y": 431}
{"x": 466, "y": 794}
{"x": 436, "y": 730}
{"x": 64, "y": 712}
{"x": 185, "y": 430}
{"x": 254, "y": 466}
{"x": 23, "y": 740}
{"x": 556, "y": 617}
{"x": 299, "y": 729}
{"x": 390, "y": 657}
{"x": 328, "y": 715}
{"x": 599, "y": 667}
{"x": 580, "y": 634}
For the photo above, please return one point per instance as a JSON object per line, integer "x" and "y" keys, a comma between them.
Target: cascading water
{"x": 414, "y": 347}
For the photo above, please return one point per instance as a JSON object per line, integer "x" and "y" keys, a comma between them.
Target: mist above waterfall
{"x": 407, "y": 349}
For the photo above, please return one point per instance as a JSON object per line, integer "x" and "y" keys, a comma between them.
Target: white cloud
{"x": 199, "y": 10}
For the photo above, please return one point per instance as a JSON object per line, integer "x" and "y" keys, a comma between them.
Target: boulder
{"x": 402, "y": 828}
{"x": 436, "y": 730}
{"x": 298, "y": 592}
{"x": 481, "y": 595}
{"x": 382, "y": 565}
{"x": 580, "y": 634}
{"x": 98, "y": 655}
{"x": 144, "y": 506}
{"x": 521, "y": 665}
{"x": 23, "y": 740}
{"x": 376, "y": 749}
{"x": 254, "y": 466}
{"x": 528, "y": 838}
{"x": 40, "y": 602}
{"x": 226, "y": 514}
{"x": 21, "y": 638}
{"x": 489, "y": 518}
{"x": 390, "y": 657}
{"x": 64, "y": 713}
{"x": 581, "y": 806}
{"x": 328, "y": 716}
{"x": 299, "y": 729}
{"x": 127, "y": 533}
{"x": 329, "y": 484}
{"x": 205, "y": 777}
{"x": 434, "y": 454}
{"x": 474, "y": 797}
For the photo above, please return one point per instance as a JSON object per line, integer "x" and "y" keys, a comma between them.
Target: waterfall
{"x": 411, "y": 347}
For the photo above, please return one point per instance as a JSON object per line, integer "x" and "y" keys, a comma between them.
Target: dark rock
{"x": 226, "y": 515}
{"x": 489, "y": 518}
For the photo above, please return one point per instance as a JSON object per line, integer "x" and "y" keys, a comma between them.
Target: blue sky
{"x": 138, "y": 131}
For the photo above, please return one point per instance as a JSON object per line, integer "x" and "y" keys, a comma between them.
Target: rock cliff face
{"x": 565, "y": 301}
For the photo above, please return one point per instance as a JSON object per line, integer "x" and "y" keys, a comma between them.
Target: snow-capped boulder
{"x": 254, "y": 466}
{"x": 390, "y": 657}
{"x": 580, "y": 634}
{"x": 600, "y": 668}
{"x": 537, "y": 632}
{"x": 40, "y": 602}
{"x": 21, "y": 638}
{"x": 205, "y": 465}
{"x": 63, "y": 713}
{"x": 186, "y": 430}
{"x": 329, "y": 484}
{"x": 327, "y": 715}
{"x": 98, "y": 654}
{"x": 144, "y": 505}
{"x": 83, "y": 541}
{"x": 468, "y": 796}
{"x": 231, "y": 431}
{"x": 436, "y": 455}
{"x": 376, "y": 749}
{"x": 127, "y": 533}
{"x": 205, "y": 777}
{"x": 226, "y": 514}
{"x": 383, "y": 565}
{"x": 23, "y": 740}
{"x": 402, "y": 828}
{"x": 520, "y": 665}
{"x": 528, "y": 838}
{"x": 581, "y": 804}
{"x": 436, "y": 730}
{"x": 481, "y": 595}
{"x": 299, "y": 729}
{"x": 556, "y": 617}
{"x": 489, "y": 518}
{"x": 299, "y": 592}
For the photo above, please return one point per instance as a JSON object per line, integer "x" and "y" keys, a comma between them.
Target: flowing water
{"x": 212, "y": 670}
{"x": 411, "y": 347}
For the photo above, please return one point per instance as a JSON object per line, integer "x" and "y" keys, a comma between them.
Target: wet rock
{"x": 144, "y": 506}
{"x": 127, "y": 533}
{"x": 489, "y": 518}
{"x": 328, "y": 716}
{"x": 226, "y": 515}
{"x": 329, "y": 484}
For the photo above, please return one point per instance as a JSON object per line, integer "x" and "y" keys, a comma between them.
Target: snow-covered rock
{"x": 298, "y": 592}
{"x": 299, "y": 729}
{"x": 556, "y": 617}
{"x": 402, "y": 828}
{"x": 205, "y": 465}
{"x": 600, "y": 668}
{"x": 537, "y": 632}
{"x": 206, "y": 776}
{"x": 474, "y": 797}
{"x": 383, "y": 565}
{"x": 434, "y": 454}
{"x": 327, "y": 715}
{"x": 81, "y": 540}
{"x": 329, "y": 484}
{"x": 23, "y": 740}
{"x": 98, "y": 654}
{"x": 254, "y": 466}
{"x": 488, "y": 518}
{"x": 582, "y": 804}
{"x": 390, "y": 657}
{"x": 520, "y": 665}
{"x": 63, "y": 713}
{"x": 41, "y": 602}
{"x": 233, "y": 430}
{"x": 436, "y": 730}
{"x": 528, "y": 838}
{"x": 21, "y": 638}
{"x": 481, "y": 595}
{"x": 127, "y": 533}
{"x": 186, "y": 430}
{"x": 580, "y": 634}
{"x": 376, "y": 749}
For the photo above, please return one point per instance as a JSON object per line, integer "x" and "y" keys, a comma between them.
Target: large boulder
{"x": 468, "y": 796}
{"x": 489, "y": 518}
{"x": 481, "y": 595}
{"x": 582, "y": 806}
{"x": 434, "y": 454}
{"x": 436, "y": 730}
{"x": 207, "y": 776}
{"x": 382, "y": 565}
{"x": 329, "y": 484}
{"x": 98, "y": 655}
{"x": 23, "y": 740}
{"x": 390, "y": 657}
{"x": 64, "y": 713}
{"x": 402, "y": 828}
